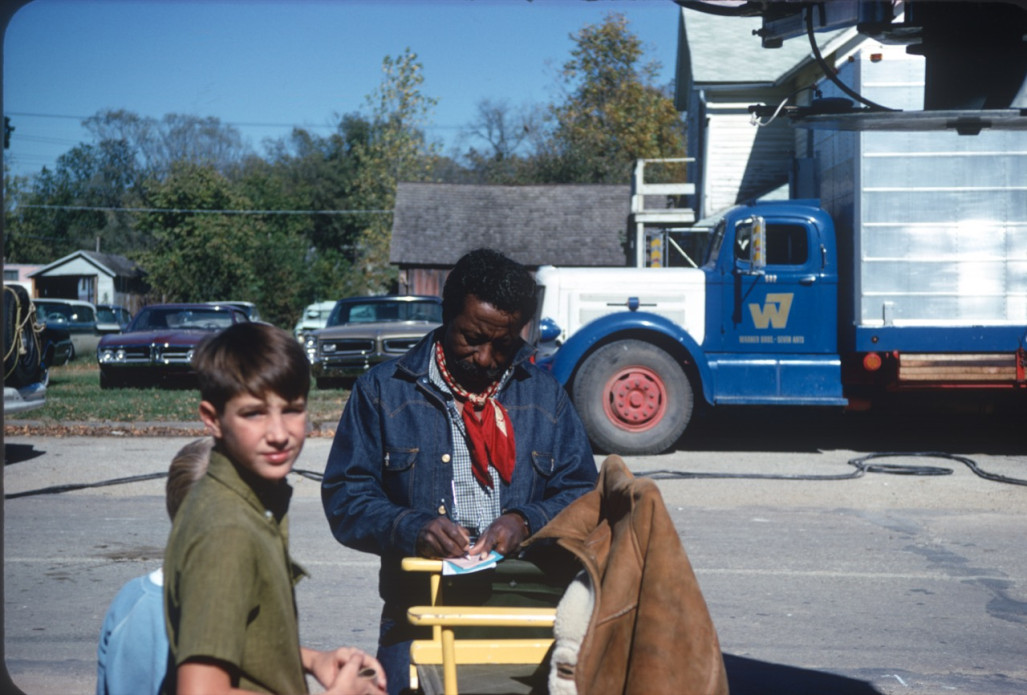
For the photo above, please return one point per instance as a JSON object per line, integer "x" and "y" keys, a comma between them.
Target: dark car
{"x": 112, "y": 318}
{"x": 157, "y": 347}
{"x": 76, "y": 317}
{"x": 363, "y": 331}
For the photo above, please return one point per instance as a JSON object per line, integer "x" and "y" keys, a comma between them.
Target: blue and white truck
{"x": 782, "y": 312}
{"x": 898, "y": 264}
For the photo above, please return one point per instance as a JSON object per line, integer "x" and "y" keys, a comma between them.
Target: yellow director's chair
{"x": 471, "y": 634}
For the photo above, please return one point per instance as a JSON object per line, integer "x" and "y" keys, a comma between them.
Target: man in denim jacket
{"x": 459, "y": 447}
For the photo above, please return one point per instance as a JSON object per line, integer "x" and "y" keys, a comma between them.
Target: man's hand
{"x": 442, "y": 538}
{"x": 504, "y": 535}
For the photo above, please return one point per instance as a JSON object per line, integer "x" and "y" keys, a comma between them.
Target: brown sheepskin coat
{"x": 650, "y": 631}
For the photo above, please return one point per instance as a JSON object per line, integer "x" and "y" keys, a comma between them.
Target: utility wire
{"x": 97, "y": 208}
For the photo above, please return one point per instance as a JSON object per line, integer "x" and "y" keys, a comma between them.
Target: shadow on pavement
{"x": 751, "y": 677}
{"x": 18, "y": 453}
{"x": 907, "y": 424}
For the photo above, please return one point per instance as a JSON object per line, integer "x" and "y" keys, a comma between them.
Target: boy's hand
{"x": 504, "y": 535}
{"x": 346, "y": 671}
{"x": 442, "y": 538}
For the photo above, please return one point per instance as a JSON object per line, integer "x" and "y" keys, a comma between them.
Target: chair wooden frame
{"x": 446, "y": 650}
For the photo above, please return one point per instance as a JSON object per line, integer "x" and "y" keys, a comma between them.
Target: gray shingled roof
{"x": 586, "y": 225}
{"x": 121, "y": 266}
{"x": 118, "y": 266}
{"x": 724, "y": 49}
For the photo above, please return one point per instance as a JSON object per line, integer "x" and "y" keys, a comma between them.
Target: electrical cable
{"x": 860, "y": 464}
{"x": 54, "y": 489}
{"x": 830, "y": 73}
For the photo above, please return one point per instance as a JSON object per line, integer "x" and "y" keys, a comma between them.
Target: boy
{"x": 133, "y": 648}
{"x": 228, "y": 597}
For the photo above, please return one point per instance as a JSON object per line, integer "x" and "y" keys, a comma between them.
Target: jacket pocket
{"x": 399, "y": 459}
{"x": 398, "y": 472}
{"x": 544, "y": 463}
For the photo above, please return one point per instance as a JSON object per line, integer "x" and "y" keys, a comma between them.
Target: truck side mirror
{"x": 759, "y": 245}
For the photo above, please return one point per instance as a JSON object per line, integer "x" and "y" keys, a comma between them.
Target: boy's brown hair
{"x": 253, "y": 358}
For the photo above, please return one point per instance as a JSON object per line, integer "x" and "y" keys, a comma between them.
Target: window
{"x": 787, "y": 244}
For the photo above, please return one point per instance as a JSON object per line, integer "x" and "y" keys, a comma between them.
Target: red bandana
{"x": 489, "y": 428}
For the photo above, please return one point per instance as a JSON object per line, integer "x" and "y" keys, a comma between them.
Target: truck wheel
{"x": 23, "y": 360}
{"x": 633, "y": 398}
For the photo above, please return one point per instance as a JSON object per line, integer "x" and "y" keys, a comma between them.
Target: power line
{"x": 91, "y": 208}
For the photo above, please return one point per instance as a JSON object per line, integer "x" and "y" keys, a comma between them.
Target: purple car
{"x": 156, "y": 349}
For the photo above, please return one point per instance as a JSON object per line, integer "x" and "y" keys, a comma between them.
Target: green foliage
{"x": 198, "y": 255}
{"x": 395, "y": 150}
{"x": 614, "y": 113}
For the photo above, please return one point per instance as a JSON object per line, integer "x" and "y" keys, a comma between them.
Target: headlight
{"x": 108, "y": 355}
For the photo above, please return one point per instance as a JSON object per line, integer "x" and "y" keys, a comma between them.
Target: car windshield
{"x": 105, "y": 315}
{"x": 182, "y": 319}
{"x": 385, "y": 311}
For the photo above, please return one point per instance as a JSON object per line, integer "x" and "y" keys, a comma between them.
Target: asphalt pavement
{"x": 817, "y": 581}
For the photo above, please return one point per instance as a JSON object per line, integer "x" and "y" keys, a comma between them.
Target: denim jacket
{"x": 389, "y": 471}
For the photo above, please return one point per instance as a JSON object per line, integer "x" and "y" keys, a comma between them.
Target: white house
{"x": 100, "y": 278}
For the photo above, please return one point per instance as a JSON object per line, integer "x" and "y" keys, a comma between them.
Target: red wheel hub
{"x": 635, "y": 399}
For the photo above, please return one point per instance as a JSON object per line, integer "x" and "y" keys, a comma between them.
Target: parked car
{"x": 363, "y": 331}
{"x": 157, "y": 347}
{"x": 111, "y": 318}
{"x": 315, "y": 316}
{"x": 56, "y": 345}
{"x": 75, "y": 316}
{"x": 248, "y": 308}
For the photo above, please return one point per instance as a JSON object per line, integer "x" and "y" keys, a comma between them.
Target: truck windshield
{"x": 714, "y": 248}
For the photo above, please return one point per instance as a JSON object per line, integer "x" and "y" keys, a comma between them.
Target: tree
{"x": 613, "y": 114}
{"x": 76, "y": 205}
{"x": 201, "y": 251}
{"x": 396, "y": 150}
{"x": 506, "y": 133}
{"x": 156, "y": 145}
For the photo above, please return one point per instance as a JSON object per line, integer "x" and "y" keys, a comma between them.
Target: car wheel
{"x": 633, "y": 398}
{"x": 110, "y": 381}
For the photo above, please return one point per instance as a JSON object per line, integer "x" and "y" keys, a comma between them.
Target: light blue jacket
{"x": 132, "y": 656}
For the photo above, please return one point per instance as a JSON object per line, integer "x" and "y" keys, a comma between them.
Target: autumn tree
{"x": 614, "y": 112}
{"x": 396, "y": 150}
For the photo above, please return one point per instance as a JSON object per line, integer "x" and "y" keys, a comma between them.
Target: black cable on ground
{"x": 53, "y": 490}
{"x": 860, "y": 464}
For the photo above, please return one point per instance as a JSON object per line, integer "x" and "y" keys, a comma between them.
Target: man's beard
{"x": 472, "y": 377}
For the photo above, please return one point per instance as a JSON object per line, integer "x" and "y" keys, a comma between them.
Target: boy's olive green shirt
{"x": 228, "y": 587}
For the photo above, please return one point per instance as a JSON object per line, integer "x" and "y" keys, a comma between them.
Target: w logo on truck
{"x": 774, "y": 311}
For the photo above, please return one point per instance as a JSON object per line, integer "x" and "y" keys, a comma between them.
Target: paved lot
{"x": 880, "y": 584}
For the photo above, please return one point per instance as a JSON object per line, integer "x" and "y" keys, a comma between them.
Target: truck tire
{"x": 633, "y": 398}
{"x": 23, "y": 359}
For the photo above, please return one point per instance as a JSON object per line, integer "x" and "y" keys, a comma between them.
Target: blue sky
{"x": 267, "y": 65}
